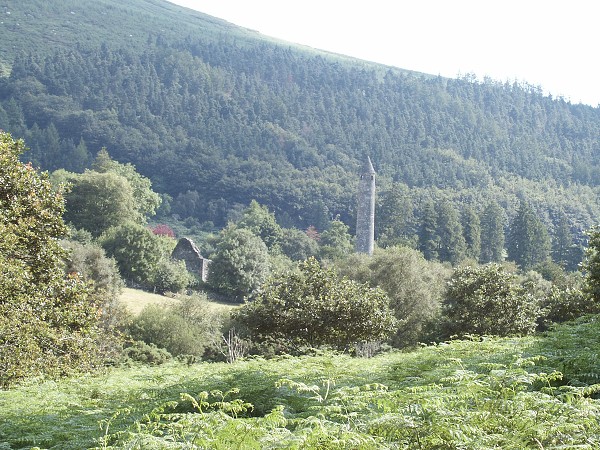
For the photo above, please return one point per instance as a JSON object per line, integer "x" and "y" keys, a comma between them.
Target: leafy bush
{"x": 567, "y": 300}
{"x": 171, "y": 276}
{"x": 313, "y": 307}
{"x": 414, "y": 285}
{"x": 146, "y": 353}
{"x": 488, "y": 300}
{"x": 187, "y": 328}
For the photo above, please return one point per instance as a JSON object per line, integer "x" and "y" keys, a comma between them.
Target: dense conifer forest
{"x": 216, "y": 115}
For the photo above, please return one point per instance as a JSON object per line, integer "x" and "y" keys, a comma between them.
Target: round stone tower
{"x": 365, "y": 217}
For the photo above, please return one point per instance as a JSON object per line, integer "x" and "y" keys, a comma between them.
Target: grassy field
{"x": 135, "y": 300}
{"x": 511, "y": 393}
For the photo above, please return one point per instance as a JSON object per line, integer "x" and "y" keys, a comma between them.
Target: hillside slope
{"x": 217, "y": 115}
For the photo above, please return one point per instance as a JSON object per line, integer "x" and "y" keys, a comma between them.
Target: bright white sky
{"x": 548, "y": 43}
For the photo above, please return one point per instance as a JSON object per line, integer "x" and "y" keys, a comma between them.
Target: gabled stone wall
{"x": 188, "y": 252}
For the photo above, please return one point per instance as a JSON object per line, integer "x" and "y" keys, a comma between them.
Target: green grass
{"x": 481, "y": 394}
{"x": 135, "y": 300}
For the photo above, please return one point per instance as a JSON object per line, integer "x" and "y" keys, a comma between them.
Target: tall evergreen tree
{"x": 452, "y": 246}
{"x": 429, "y": 241}
{"x": 562, "y": 243}
{"x": 529, "y": 241}
{"x": 492, "y": 234}
{"x": 471, "y": 224}
{"x": 395, "y": 217}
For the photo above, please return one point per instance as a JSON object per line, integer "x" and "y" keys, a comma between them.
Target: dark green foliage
{"x": 136, "y": 250}
{"x": 566, "y": 301}
{"x": 144, "y": 353}
{"x": 429, "y": 240}
{"x": 262, "y": 223}
{"x": 171, "y": 276}
{"x": 336, "y": 241}
{"x": 471, "y": 225}
{"x": 240, "y": 263}
{"x": 297, "y": 245}
{"x": 186, "y": 328}
{"x": 452, "y": 245}
{"x": 492, "y": 234}
{"x": 47, "y": 320}
{"x": 395, "y": 217}
{"x": 98, "y": 201}
{"x": 282, "y": 125}
{"x": 591, "y": 266}
{"x": 90, "y": 262}
{"x": 313, "y": 307}
{"x": 529, "y": 243}
{"x": 488, "y": 300}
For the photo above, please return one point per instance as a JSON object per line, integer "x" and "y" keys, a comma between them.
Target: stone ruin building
{"x": 188, "y": 252}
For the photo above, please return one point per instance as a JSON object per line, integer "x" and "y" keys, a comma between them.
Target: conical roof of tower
{"x": 368, "y": 167}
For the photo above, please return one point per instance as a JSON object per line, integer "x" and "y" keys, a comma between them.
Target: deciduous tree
{"x": 313, "y": 307}
{"x": 240, "y": 263}
{"x": 47, "y": 324}
{"x": 488, "y": 300}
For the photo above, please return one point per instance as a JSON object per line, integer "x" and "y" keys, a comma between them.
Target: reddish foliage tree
{"x": 163, "y": 230}
{"x": 312, "y": 233}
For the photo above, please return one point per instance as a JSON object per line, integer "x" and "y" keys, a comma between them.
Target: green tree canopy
{"x": 240, "y": 263}
{"x": 492, "y": 234}
{"x": 336, "y": 241}
{"x": 488, "y": 300}
{"x": 262, "y": 223}
{"x": 471, "y": 225}
{"x": 146, "y": 201}
{"x": 99, "y": 201}
{"x": 452, "y": 245}
{"x": 529, "y": 242}
{"x": 414, "y": 286}
{"x": 591, "y": 266}
{"x": 47, "y": 324}
{"x": 136, "y": 250}
{"x": 314, "y": 307}
{"x": 297, "y": 245}
{"x": 429, "y": 240}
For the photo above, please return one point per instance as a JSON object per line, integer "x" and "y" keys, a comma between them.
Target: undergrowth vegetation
{"x": 484, "y": 393}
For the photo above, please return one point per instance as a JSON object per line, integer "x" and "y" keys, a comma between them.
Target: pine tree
{"x": 492, "y": 234}
{"x": 529, "y": 242}
{"x": 429, "y": 241}
{"x": 471, "y": 224}
{"x": 562, "y": 242}
{"x": 450, "y": 232}
{"x": 395, "y": 217}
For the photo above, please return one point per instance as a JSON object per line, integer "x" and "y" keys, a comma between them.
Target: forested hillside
{"x": 216, "y": 116}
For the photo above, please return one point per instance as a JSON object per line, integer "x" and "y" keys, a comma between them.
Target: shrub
{"x": 240, "y": 263}
{"x": 187, "y": 328}
{"x": 414, "y": 285}
{"x": 136, "y": 250}
{"x": 488, "y": 300}
{"x": 146, "y": 353}
{"x": 171, "y": 276}
{"x": 313, "y": 307}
